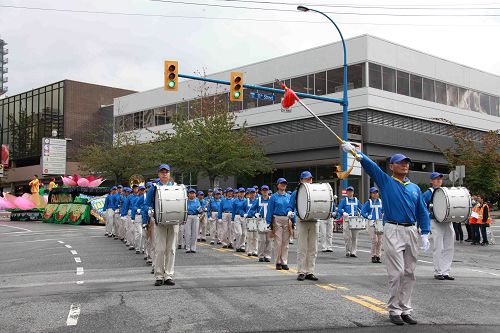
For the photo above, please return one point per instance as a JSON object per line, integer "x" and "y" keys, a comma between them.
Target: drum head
{"x": 440, "y": 204}
{"x": 303, "y": 201}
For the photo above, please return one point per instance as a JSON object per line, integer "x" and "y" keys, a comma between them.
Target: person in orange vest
{"x": 474, "y": 224}
{"x": 484, "y": 219}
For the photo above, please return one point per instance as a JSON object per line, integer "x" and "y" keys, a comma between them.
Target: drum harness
{"x": 376, "y": 207}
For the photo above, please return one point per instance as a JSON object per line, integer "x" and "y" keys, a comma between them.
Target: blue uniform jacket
{"x": 226, "y": 205}
{"x": 214, "y": 206}
{"x": 240, "y": 207}
{"x": 259, "y": 206}
{"x": 137, "y": 203}
{"x": 127, "y": 204}
{"x": 404, "y": 201}
{"x": 250, "y": 203}
{"x": 107, "y": 203}
{"x": 373, "y": 213}
{"x": 278, "y": 205}
{"x": 194, "y": 206}
{"x": 346, "y": 205}
{"x": 427, "y": 199}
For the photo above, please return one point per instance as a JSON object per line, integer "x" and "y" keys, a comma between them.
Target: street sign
{"x": 453, "y": 176}
{"x": 265, "y": 97}
{"x": 53, "y": 156}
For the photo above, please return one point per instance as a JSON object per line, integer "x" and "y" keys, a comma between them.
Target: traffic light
{"x": 236, "y": 92}
{"x": 171, "y": 77}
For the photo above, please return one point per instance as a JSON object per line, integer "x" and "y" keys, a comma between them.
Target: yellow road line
{"x": 223, "y": 250}
{"x": 201, "y": 244}
{"x": 366, "y": 304}
{"x": 372, "y": 300}
{"x": 242, "y": 256}
{"x": 325, "y": 286}
{"x": 336, "y": 286}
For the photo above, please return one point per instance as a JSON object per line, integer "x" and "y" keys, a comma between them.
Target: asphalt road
{"x": 63, "y": 278}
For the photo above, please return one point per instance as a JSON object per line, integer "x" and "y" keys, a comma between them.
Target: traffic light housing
{"x": 236, "y": 83}
{"x": 171, "y": 75}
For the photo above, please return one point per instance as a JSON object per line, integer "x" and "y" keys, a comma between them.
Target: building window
{"x": 440, "y": 92}
{"x": 299, "y": 84}
{"x": 428, "y": 90}
{"x": 149, "y": 118}
{"x": 320, "y": 83}
{"x": 403, "y": 83}
{"x": 129, "y": 122}
{"x": 375, "y": 76}
{"x": 335, "y": 80}
{"x": 159, "y": 115}
{"x": 484, "y": 103}
{"x": 463, "y": 98}
{"x": 389, "y": 79}
{"x": 138, "y": 121}
{"x": 170, "y": 111}
{"x": 262, "y": 102}
{"x": 474, "y": 101}
{"x": 494, "y": 106}
{"x": 356, "y": 76}
{"x": 415, "y": 86}
{"x": 452, "y": 95}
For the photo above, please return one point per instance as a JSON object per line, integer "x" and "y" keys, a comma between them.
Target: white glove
{"x": 344, "y": 214}
{"x": 205, "y": 209}
{"x": 348, "y": 147}
{"x": 123, "y": 218}
{"x": 200, "y": 210}
{"x": 117, "y": 211}
{"x": 138, "y": 211}
{"x": 245, "y": 215}
{"x": 150, "y": 212}
{"x": 257, "y": 215}
{"x": 219, "y": 220}
{"x": 144, "y": 226}
{"x": 370, "y": 217}
{"x": 290, "y": 215}
{"x": 425, "y": 243}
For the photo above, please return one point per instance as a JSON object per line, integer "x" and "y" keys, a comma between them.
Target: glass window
{"x": 264, "y": 102}
{"x": 484, "y": 103}
{"x": 474, "y": 101}
{"x": 159, "y": 116}
{"x": 128, "y": 122}
{"x": 389, "y": 79}
{"x": 279, "y": 96}
{"x": 415, "y": 86}
{"x": 494, "y": 107}
{"x": 356, "y": 76}
{"x": 149, "y": 118}
{"x": 403, "y": 83}
{"x": 319, "y": 84}
{"x": 375, "y": 75}
{"x": 428, "y": 89}
{"x": 299, "y": 84}
{"x": 335, "y": 80}
{"x": 138, "y": 120}
{"x": 463, "y": 98}
{"x": 182, "y": 109}
{"x": 170, "y": 111}
{"x": 452, "y": 95}
{"x": 440, "y": 92}
{"x": 248, "y": 101}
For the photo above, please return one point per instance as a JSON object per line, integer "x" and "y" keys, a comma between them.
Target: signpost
{"x": 265, "y": 97}
{"x": 53, "y": 156}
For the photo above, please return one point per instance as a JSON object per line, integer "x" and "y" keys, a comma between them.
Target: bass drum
{"x": 451, "y": 204}
{"x": 314, "y": 201}
{"x": 170, "y": 204}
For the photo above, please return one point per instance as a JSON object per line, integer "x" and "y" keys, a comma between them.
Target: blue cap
{"x": 373, "y": 189}
{"x": 396, "y": 158}
{"x": 142, "y": 187}
{"x": 149, "y": 184}
{"x": 229, "y": 189}
{"x": 256, "y": 187}
{"x": 241, "y": 189}
{"x": 191, "y": 190}
{"x": 210, "y": 190}
{"x": 216, "y": 192}
{"x": 435, "y": 175}
{"x": 157, "y": 180}
{"x": 200, "y": 193}
{"x": 251, "y": 190}
{"x": 113, "y": 188}
{"x": 164, "y": 166}
{"x": 120, "y": 186}
{"x": 128, "y": 189}
{"x": 264, "y": 187}
{"x": 305, "y": 174}
{"x": 349, "y": 188}
{"x": 134, "y": 185}
{"x": 281, "y": 180}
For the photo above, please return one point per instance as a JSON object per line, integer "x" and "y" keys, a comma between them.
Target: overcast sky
{"x": 128, "y": 51}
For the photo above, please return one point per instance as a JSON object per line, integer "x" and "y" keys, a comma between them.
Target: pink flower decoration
{"x": 83, "y": 182}
{"x": 67, "y": 181}
{"x": 96, "y": 182}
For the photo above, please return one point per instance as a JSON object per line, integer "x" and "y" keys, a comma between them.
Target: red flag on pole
{"x": 289, "y": 99}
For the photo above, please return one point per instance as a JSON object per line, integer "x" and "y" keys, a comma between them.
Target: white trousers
{"x": 191, "y": 229}
{"x": 226, "y": 228}
{"x": 239, "y": 231}
{"x": 181, "y": 240}
{"x": 139, "y": 238}
{"x": 265, "y": 245}
{"x": 401, "y": 250}
{"x": 443, "y": 237}
{"x": 214, "y": 229}
{"x": 116, "y": 224}
{"x": 166, "y": 239}
{"x": 203, "y": 226}
{"x": 150, "y": 240}
{"x": 251, "y": 246}
{"x": 376, "y": 241}
{"x": 307, "y": 248}
{"x": 326, "y": 234}
{"x": 351, "y": 239}
{"x": 281, "y": 232}
{"x": 109, "y": 221}
{"x": 130, "y": 235}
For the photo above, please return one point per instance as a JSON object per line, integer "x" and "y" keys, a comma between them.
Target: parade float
{"x": 79, "y": 201}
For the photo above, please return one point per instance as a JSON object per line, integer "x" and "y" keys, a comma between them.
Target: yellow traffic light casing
{"x": 236, "y": 84}
{"x": 171, "y": 75}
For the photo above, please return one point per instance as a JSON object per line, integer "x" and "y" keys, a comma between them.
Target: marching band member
{"x": 406, "y": 209}
{"x": 259, "y": 210}
{"x": 191, "y": 228}
{"x": 240, "y": 212}
{"x": 110, "y": 211}
{"x": 165, "y": 234}
{"x": 278, "y": 218}
{"x": 117, "y": 199}
{"x": 150, "y": 232}
{"x": 225, "y": 214}
{"x": 307, "y": 249}
{"x": 215, "y": 223}
{"x": 372, "y": 211}
{"x": 124, "y": 211}
{"x": 350, "y": 206}
{"x": 203, "y": 217}
{"x": 251, "y": 246}
{"x": 208, "y": 200}
{"x": 138, "y": 225}
{"x": 442, "y": 234}
{"x": 326, "y": 232}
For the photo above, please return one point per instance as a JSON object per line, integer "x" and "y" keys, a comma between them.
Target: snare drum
{"x": 451, "y": 204}
{"x": 314, "y": 201}
{"x": 356, "y": 223}
{"x": 252, "y": 224}
{"x": 262, "y": 225}
{"x": 170, "y": 204}
{"x": 379, "y": 227}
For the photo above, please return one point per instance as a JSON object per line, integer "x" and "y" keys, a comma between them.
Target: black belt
{"x": 226, "y": 211}
{"x": 401, "y": 224}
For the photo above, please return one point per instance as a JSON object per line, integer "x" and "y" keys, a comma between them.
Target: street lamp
{"x": 344, "y": 98}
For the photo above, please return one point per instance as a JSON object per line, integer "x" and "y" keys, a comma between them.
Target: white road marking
{"x": 427, "y": 262}
{"x": 77, "y": 259}
{"x": 343, "y": 247}
{"x": 10, "y": 226}
{"x": 79, "y": 271}
{"x": 477, "y": 270}
{"x": 74, "y": 313}
{"x": 60, "y": 242}
{"x": 73, "y": 252}
{"x": 68, "y": 246}
{"x": 32, "y": 241}
{"x": 79, "y": 282}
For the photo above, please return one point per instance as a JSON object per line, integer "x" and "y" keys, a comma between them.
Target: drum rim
{"x": 330, "y": 189}
{"x": 445, "y": 190}
{"x": 159, "y": 214}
